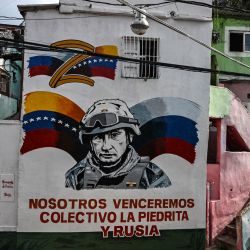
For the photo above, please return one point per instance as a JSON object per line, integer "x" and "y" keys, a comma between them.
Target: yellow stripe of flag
{"x": 42, "y": 100}
{"x": 107, "y": 49}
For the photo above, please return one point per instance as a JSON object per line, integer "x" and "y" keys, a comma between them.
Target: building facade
{"x": 228, "y": 148}
{"x": 11, "y": 62}
{"x": 79, "y": 176}
{"x": 231, "y": 36}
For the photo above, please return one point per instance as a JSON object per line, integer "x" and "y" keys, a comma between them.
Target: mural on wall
{"x": 51, "y": 120}
{"x": 100, "y": 161}
{"x": 75, "y": 68}
{"x": 112, "y": 162}
{"x": 60, "y": 123}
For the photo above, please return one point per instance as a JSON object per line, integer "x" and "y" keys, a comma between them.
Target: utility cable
{"x": 182, "y": 33}
{"x": 210, "y": 5}
{"x": 145, "y": 5}
{"x": 48, "y": 48}
{"x": 11, "y": 17}
{"x": 115, "y": 4}
{"x": 62, "y": 18}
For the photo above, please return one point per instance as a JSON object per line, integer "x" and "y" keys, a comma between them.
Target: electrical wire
{"x": 10, "y": 17}
{"x": 156, "y": 19}
{"x": 159, "y": 6}
{"x": 64, "y": 18}
{"x": 222, "y": 7}
{"x": 145, "y": 6}
{"x": 181, "y": 32}
{"x": 101, "y": 2}
{"x": 116, "y": 4}
{"x": 48, "y": 48}
{"x": 210, "y": 5}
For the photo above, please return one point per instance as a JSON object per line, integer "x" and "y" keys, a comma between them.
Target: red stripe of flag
{"x": 38, "y": 70}
{"x": 169, "y": 146}
{"x": 104, "y": 72}
{"x": 41, "y": 138}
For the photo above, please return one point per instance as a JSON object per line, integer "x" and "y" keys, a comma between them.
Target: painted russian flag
{"x": 168, "y": 126}
{"x": 52, "y": 120}
{"x": 43, "y": 65}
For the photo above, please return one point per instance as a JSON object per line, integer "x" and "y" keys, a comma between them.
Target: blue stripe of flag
{"x": 167, "y": 127}
{"x": 46, "y": 121}
{"x": 44, "y": 61}
{"x": 103, "y": 63}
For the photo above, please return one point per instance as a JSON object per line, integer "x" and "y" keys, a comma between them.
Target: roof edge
{"x": 34, "y": 7}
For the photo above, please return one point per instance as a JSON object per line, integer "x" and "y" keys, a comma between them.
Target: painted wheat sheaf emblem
{"x": 71, "y": 67}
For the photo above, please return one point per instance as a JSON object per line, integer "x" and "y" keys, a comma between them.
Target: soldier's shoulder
{"x": 79, "y": 166}
{"x": 156, "y": 176}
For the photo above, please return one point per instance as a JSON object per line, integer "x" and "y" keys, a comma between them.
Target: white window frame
{"x": 236, "y": 29}
{"x": 245, "y": 33}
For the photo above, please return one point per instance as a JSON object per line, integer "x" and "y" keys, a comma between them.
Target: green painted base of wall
{"x": 169, "y": 240}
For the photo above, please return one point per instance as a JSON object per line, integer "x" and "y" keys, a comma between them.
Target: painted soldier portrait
{"x": 108, "y": 127}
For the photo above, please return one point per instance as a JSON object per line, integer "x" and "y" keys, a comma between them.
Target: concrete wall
{"x": 9, "y": 152}
{"x": 213, "y": 177}
{"x": 221, "y": 24}
{"x": 234, "y": 167}
{"x": 234, "y": 193}
{"x": 98, "y": 29}
{"x": 245, "y": 220}
{"x": 240, "y": 89}
{"x": 8, "y": 106}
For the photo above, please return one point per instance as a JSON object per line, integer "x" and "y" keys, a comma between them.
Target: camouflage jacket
{"x": 135, "y": 172}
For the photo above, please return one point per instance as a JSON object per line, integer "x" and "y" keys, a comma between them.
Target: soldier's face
{"x": 109, "y": 147}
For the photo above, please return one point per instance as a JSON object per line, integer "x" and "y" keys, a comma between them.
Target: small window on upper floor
{"x": 239, "y": 41}
{"x": 4, "y": 85}
{"x": 144, "y": 49}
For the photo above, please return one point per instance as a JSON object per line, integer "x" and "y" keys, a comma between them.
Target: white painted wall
{"x": 97, "y": 29}
{"x": 9, "y": 147}
{"x": 8, "y": 106}
{"x": 100, "y": 30}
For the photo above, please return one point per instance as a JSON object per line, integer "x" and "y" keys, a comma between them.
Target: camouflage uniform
{"x": 134, "y": 172}
{"x": 131, "y": 170}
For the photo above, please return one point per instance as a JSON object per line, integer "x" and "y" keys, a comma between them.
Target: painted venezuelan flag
{"x": 52, "y": 120}
{"x": 91, "y": 66}
{"x": 95, "y": 66}
{"x": 168, "y": 126}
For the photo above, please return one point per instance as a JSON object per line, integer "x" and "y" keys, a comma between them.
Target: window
{"x": 239, "y": 41}
{"x": 4, "y": 85}
{"x": 234, "y": 141}
{"x": 212, "y": 150}
{"x": 145, "y": 49}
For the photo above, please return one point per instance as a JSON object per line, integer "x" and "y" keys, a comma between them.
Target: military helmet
{"x": 106, "y": 115}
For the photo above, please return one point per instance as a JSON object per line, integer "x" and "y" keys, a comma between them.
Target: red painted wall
{"x": 231, "y": 178}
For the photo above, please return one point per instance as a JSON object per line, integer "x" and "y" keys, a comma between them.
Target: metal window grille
{"x": 4, "y": 85}
{"x": 142, "y": 48}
